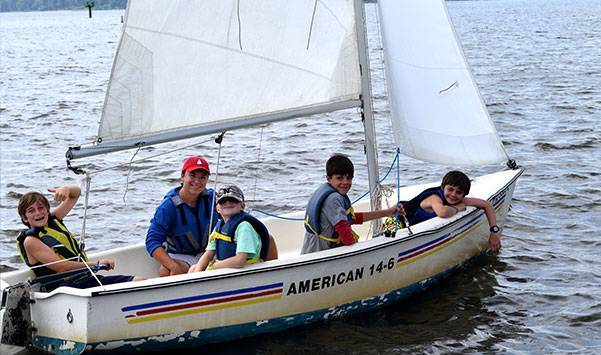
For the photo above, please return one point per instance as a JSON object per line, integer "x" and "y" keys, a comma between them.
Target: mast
{"x": 366, "y": 105}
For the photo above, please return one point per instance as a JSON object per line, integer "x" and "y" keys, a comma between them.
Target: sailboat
{"x": 191, "y": 68}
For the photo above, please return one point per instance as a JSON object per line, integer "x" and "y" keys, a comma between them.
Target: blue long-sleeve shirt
{"x": 180, "y": 228}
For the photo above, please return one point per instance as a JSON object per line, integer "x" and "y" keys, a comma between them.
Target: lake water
{"x": 538, "y": 65}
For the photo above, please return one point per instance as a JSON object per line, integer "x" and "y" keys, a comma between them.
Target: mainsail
{"x": 185, "y": 68}
{"x": 437, "y": 112}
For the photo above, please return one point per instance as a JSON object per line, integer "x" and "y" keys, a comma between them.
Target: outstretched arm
{"x": 37, "y": 251}
{"x": 494, "y": 239}
{"x": 67, "y": 196}
{"x": 398, "y": 209}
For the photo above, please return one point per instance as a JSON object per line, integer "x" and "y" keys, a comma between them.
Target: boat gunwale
{"x": 366, "y": 249}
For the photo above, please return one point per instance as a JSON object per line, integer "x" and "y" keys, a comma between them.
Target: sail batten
{"x": 437, "y": 113}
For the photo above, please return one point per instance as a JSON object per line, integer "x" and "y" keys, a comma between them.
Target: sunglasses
{"x": 228, "y": 199}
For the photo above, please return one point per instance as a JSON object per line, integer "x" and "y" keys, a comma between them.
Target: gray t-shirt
{"x": 332, "y": 212}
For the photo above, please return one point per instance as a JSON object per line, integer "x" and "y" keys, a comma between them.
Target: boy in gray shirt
{"x": 329, "y": 213}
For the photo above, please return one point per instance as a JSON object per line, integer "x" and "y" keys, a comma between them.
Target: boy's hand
{"x": 110, "y": 264}
{"x": 399, "y": 209}
{"x": 65, "y": 192}
{"x": 494, "y": 242}
{"x": 194, "y": 268}
{"x": 60, "y": 193}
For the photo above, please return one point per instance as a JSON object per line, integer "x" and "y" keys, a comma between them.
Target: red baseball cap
{"x": 195, "y": 163}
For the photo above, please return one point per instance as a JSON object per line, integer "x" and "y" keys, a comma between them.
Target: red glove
{"x": 358, "y": 218}
{"x": 343, "y": 228}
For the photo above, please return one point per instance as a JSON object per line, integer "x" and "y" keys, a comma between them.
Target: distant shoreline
{"x": 59, "y": 5}
{"x": 66, "y": 9}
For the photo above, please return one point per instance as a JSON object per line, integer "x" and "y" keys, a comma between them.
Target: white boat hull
{"x": 188, "y": 310}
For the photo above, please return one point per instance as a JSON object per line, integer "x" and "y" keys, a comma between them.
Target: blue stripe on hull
{"x": 196, "y": 338}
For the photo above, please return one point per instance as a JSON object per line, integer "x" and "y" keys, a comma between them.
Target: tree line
{"x": 48, "y": 5}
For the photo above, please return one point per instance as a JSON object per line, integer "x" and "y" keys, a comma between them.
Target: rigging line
{"x": 392, "y": 165}
{"x": 218, "y": 140}
{"x": 129, "y": 173}
{"x": 383, "y": 65}
{"x": 398, "y": 175}
{"x": 276, "y": 216}
{"x": 69, "y": 259}
{"x": 149, "y": 157}
{"x": 82, "y": 237}
{"x": 239, "y": 25}
{"x": 82, "y": 244}
{"x": 398, "y": 190}
{"x": 379, "y": 181}
{"x": 54, "y": 262}
{"x": 311, "y": 26}
{"x": 258, "y": 164}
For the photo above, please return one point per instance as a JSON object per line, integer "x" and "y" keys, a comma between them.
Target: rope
{"x": 88, "y": 179}
{"x": 398, "y": 190}
{"x": 87, "y": 182}
{"x": 396, "y": 158}
{"x": 143, "y": 159}
{"x": 378, "y": 189}
{"x": 382, "y": 63}
{"x": 129, "y": 173}
{"x": 258, "y": 164}
{"x": 311, "y": 26}
{"x": 218, "y": 140}
{"x": 276, "y": 216}
{"x": 55, "y": 262}
{"x": 82, "y": 237}
{"x": 239, "y": 25}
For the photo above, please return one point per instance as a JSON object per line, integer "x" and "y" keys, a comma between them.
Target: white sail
{"x": 211, "y": 65}
{"x": 437, "y": 112}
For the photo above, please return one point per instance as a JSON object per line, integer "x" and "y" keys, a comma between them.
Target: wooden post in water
{"x": 89, "y": 5}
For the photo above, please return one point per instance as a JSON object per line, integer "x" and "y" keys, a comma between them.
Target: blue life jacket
{"x": 415, "y": 213}
{"x": 190, "y": 234}
{"x": 312, "y": 213}
{"x": 224, "y": 237}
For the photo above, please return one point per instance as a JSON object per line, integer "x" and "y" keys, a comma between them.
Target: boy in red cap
{"x": 179, "y": 231}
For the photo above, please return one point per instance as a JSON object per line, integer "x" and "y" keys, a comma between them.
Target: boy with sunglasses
{"x": 238, "y": 239}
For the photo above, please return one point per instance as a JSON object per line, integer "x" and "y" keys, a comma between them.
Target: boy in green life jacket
{"x": 48, "y": 247}
{"x": 238, "y": 239}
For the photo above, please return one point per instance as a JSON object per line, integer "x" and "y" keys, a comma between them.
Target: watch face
{"x": 495, "y": 229}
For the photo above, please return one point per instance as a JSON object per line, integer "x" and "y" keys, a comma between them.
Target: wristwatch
{"x": 495, "y": 229}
